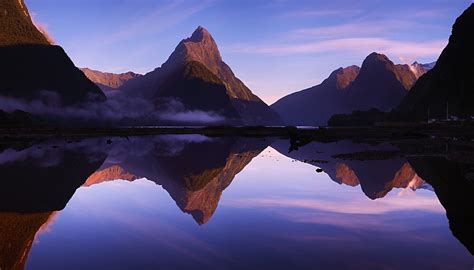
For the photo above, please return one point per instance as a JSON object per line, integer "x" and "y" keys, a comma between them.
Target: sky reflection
{"x": 277, "y": 213}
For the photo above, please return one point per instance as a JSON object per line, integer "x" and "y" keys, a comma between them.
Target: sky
{"x": 275, "y": 46}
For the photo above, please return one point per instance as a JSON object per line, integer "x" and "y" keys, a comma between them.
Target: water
{"x": 193, "y": 202}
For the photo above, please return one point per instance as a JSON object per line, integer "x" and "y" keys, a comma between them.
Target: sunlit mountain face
{"x": 165, "y": 198}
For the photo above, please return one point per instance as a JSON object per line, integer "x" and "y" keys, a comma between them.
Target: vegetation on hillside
{"x": 17, "y": 26}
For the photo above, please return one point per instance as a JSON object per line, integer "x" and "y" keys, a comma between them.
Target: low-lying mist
{"x": 118, "y": 110}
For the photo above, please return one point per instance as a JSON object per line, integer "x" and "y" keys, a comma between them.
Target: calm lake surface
{"x": 193, "y": 202}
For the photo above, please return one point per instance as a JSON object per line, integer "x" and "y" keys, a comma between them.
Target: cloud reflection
{"x": 383, "y": 206}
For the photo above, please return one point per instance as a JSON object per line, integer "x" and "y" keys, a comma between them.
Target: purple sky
{"x": 276, "y": 47}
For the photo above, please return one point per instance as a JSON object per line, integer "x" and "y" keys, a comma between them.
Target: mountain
{"x": 315, "y": 105}
{"x": 379, "y": 83}
{"x": 208, "y": 92}
{"x": 451, "y": 82}
{"x": 448, "y": 168}
{"x": 420, "y": 69}
{"x": 40, "y": 171}
{"x": 201, "y": 48}
{"x": 109, "y": 174}
{"x": 405, "y": 177}
{"x": 194, "y": 173}
{"x": 17, "y": 26}
{"x": 376, "y": 177}
{"x": 194, "y": 170}
{"x": 108, "y": 81}
{"x": 17, "y": 236}
{"x": 32, "y": 68}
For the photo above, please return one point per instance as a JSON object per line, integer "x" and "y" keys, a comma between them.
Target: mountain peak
{"x": 108, "y": 81}
{"x": 377, "y": 57}
{"x": 376, "y": 64}
{"x": 200, "y": 34}
{"x": 198, "y": 57}
{"x": 200, "y": 47}
{"x": 343, "y": 77}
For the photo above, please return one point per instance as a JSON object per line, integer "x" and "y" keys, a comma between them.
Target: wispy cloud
{"x": 396, "y": 203}
{"x": 352, "y": 29}
{"x": 159, "y": 19}
{"x": 360, "y": 45}
{"x": 430, "y": 13}
{"x": 320, "y": 13}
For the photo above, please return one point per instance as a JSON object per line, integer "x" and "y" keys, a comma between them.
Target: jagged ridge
{"x": 379, "y": 83}
{"x": 108, "y": 81}
{"x": 202, "y": 48}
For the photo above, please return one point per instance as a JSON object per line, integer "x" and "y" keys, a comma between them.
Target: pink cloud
{"x": 358, "y": 29}
{"x": 321, "y": 13}
{"x": 43, "y": 28}
{"x": 387, "y": 205}
{"x": 360, "y": 45}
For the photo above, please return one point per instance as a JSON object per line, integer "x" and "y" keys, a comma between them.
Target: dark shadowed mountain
{"x": 202, "y": 48}
{"x": 198, "y": 89}
{"x": 44, "y": 72}
{"x": 33, "y": 69}
{"x": 452, "y": 182}
{"x": 450, "y": 82}
{"x": 379, "y": 83}
{"x": 449, "y": 168}
{"x": 108, "y": 82}
{"x": 315, "y": 105}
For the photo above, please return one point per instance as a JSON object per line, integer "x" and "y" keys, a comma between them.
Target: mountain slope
{"x": 376, "y": 177}
{"x": 421, "y": 69}
{"x": 450, "y": 82}
{"x": 17, "y": 26}
{"x": 193, "y": 85}
{"x": 194, "y": 173}
{"x": 379, "y": 83}
{"x": 202, "y": 48}
{"x": 108, "y": 81}
{"x": 44, "y": 72}
{"x": 17, "y": 237}
{"x": 32, "y": 69}
{"x": 313, "y": 106}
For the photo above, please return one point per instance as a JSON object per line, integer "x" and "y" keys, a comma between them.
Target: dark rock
{"x": 450, "y": 82}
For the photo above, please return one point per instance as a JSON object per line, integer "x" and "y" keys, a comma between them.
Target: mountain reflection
{"x": 17, "y": 234}
{"x": 194, "y": 170}
{"x": 446, "y": 168}
{"x": 351, "y": 164}
{"x": 40, "y": 179}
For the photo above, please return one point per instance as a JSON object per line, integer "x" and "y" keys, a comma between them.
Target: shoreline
{"x": 302, "y": 133}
